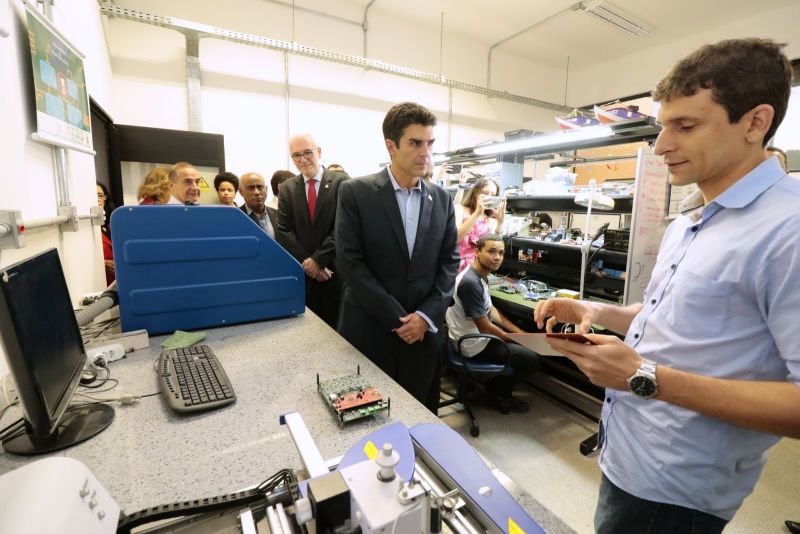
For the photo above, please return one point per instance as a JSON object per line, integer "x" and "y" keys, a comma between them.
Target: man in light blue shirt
{"x": 396, "y": 250}
{"x": 708, "y": 377}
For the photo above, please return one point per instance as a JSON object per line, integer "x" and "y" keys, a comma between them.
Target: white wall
{"x": 26, "y": 168}
{"x": 641, "y": 71}
{"x": 243, "y": 91}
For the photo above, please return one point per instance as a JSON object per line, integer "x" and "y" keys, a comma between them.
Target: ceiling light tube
{"x": 552, "y": 140}
{"x": 616, "y": 17}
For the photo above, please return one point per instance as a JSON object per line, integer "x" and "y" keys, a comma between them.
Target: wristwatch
{"x": 643, "y": 383}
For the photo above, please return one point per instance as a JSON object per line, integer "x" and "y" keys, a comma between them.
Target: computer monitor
{"x": 45, "y": 355}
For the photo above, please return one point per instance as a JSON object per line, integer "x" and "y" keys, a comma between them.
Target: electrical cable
{"x": 13, "y": 428}
{"x": 5, "y": 409}
{"x": 598, "y": 249}
{"x": 124, "y": 399}
{"x": 103, "y": 383}
{"x": 92, "y": 331}
{"x": 127, "y": 522}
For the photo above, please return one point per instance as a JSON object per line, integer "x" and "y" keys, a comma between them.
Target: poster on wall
{"x": 62, "y": 102}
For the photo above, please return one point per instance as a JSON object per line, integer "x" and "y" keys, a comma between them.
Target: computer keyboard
{"x": 193, "y": 380}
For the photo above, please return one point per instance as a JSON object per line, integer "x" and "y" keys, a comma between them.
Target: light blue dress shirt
{"x": 409, "y": 201}
{"x": 723, "y": 301}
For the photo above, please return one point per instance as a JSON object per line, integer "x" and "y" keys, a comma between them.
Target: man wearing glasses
{"x": 306, "y": 217}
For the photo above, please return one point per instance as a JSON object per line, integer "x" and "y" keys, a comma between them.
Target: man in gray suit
{"x": 306, "y": 214}
{"x": 396, "y": 251}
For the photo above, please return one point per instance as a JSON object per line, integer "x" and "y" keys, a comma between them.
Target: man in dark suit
{"x": 396, "y": 248}
{"x": 306, "y": 216}
{"x": 254, "y": 191}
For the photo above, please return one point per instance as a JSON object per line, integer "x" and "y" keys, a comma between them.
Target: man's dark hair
{"x": 488, "y": 237}
{"x": 278, "y": 177}
{"x": 741, "y": 73}
{"x": 401, "y": 116}
{"x": 226, "y": 176}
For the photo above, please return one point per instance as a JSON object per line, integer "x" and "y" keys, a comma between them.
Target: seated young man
{"x": 472, "y": 312}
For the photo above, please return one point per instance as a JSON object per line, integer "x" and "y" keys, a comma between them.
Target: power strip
{"x": 108, "y": 353}
{"x": 130, "y": 341}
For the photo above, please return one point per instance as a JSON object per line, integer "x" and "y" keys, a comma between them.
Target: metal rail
{"x": 204, "y": 30}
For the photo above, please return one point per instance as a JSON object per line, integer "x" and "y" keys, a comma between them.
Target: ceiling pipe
{"x": 574, "y": 7}
{"x": 204, "y": 30}
{"x": 365, "y": 26}
{"x": 322, "y": 14}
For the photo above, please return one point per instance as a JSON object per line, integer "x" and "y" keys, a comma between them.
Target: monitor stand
{"x": 77, "y": 424}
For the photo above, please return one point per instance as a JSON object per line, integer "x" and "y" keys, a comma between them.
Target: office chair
{"x": 469, "y": 373}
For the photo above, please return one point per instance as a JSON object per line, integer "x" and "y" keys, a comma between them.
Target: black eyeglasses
{"x": 304, "y": 154}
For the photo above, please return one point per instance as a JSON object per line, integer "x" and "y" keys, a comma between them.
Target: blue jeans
{"x": 619, "y": 512}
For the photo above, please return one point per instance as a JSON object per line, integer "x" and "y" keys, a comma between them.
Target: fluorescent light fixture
{"x": 439, "y": 158}
{"x": 551, "y": 140}
{"x": 195, "y": 26}
{"x": 617, "y": 18}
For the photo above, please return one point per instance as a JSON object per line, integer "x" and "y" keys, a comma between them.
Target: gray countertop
{"x": 151, "y": 455}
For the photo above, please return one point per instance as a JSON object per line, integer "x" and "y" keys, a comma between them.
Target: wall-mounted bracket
{"x": 11, "y": 229}
{"x": 71, "y": 213}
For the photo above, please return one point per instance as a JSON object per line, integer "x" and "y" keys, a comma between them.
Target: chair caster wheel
{"x": 474, "y": 431}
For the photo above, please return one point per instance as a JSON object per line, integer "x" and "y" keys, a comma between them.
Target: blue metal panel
{"x": 470, "y": 473}
{"x": 190, "y": 267}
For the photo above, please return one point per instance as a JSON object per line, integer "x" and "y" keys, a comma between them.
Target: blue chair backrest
{"x": 189, "y": 267}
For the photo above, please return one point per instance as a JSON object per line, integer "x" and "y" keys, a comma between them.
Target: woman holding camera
{"x": 474, "y": 219}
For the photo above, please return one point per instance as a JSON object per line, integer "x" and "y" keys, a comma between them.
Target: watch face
{"x": 643, "y": 386}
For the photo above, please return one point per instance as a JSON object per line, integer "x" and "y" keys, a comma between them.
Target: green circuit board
{"x": 352, "y": 397}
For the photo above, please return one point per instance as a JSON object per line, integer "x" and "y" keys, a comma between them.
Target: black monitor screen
{"x": 41, "y": 337}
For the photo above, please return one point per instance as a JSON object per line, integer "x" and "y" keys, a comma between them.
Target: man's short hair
{"x": 226, "y": 176}
{"x": 401, "y": 116}
{"x": 278, "y": 177}
{"x": 173, "y": 172}
{"x": 741, "y": 74}
{"x": 488, "y": 237}
{"x": 336, "y": 168}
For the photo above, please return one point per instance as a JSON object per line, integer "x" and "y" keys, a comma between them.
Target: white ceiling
{"x": 575, "y": 34}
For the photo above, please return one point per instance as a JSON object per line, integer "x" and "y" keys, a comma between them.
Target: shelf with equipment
{"x": 626, "y": 267}
{"x": 641, "y": 214}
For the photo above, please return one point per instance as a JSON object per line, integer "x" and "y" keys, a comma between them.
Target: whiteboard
{"x": 676, "y": 195}
{"x": 648, "y": 222}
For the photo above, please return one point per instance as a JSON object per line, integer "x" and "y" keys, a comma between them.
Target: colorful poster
{"x": 62, "y": 101}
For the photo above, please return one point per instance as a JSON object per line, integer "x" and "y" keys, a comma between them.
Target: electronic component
{"x": 512, "y": 288}
{"x": 617, "y": 240}
{"x": 352, "y": 397}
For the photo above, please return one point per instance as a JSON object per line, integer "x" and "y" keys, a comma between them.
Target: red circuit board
{"x": 355, "y": 399}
